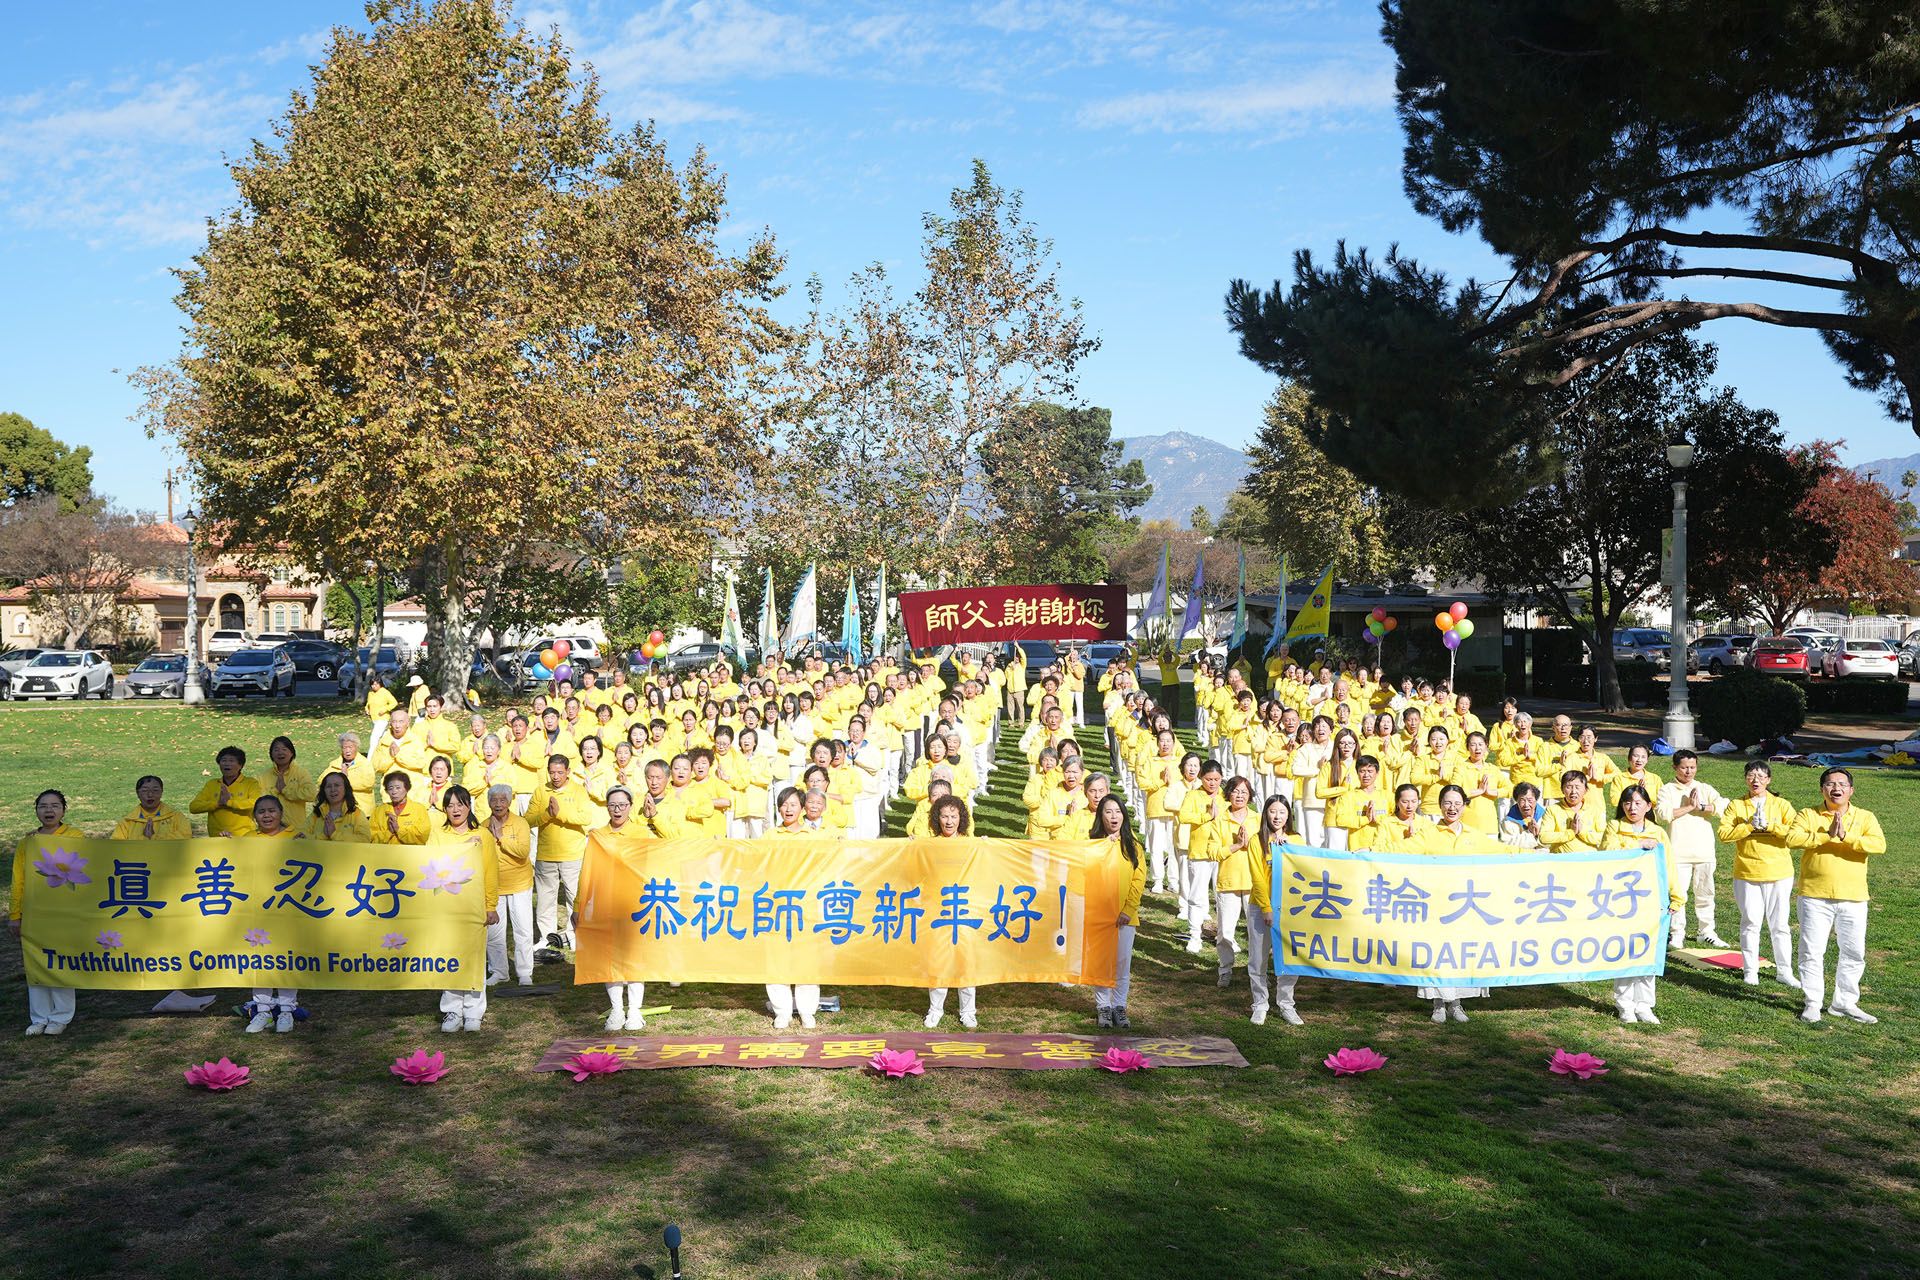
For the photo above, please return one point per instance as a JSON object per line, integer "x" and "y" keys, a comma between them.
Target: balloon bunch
{"x": 654, "y": 646}
{"x": 1454, "y": 625}
{"x": 555, "y": 660}
{"x": 1378, "y": 624}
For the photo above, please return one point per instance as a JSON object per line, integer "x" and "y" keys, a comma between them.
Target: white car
{"x": 222, "y": 643}
{"x": 63, "y": 673}
{"x": 1868, "y": 659}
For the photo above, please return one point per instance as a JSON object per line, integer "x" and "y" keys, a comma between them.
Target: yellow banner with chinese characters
{"x": 215, "y": 912}
{"x": 1476, "y": 920}
{"x": 903, "y": 913}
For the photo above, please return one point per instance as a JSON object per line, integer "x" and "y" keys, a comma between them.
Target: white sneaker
{"x": 1259, "y": 1017}
{"x": 806, "y": 1020}
{"x": 1646, "y": 1015}
{"x": 1712, "y": 939}
{"x": 1855, "y": 1012}
{"x": 1291, "y": 1016}
{"x": 495, "y": 979}
{"x": 56, "y": 1028}
{"x": 451, "y": 1022}
{"x": 969, "y": 1021}
{"x": 1455, "y": 1012}
{"x": 36, "y": 1029}
{"x": 471, "y": 1024}
{"x": 1440, "y": 1012}
{"x": 616, "y": 1020}
{"x": 1751, "y": 977}
{"x": 635, "y": 1021}
{"x": 932, "y": 1019}
{"x": 1810, "y": 1014}
{"x": 1193, "y": 947}
{"x": 1790, "y": 980}
{"x": 1626, "y": 1015}
{"x": 781, "y": 1024}
{"x": 260, "y": 1022}
{"x": 284, "y": 1022}
{"x": 526, "y": 982}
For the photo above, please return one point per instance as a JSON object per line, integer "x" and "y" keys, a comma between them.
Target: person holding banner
{"x": 462, "y": 1010}
{"x": 150, "y": 819}
{"x": 1112, "y": 824}
{"x": 336, "y": 815}
{"x": 950, "y": 821}
{"x": 625, "y": 1000}
{"x": 272, "y": 1006}
{"x": 49, "y": 1009}
{"x": 1450, "y": 835}
{"x": 1630, "y": 830}
{"x": 803, "y": 998}
{"x": 1756, "y": 825}
{"x": 228, "y": 799}
{"x": 1837, "y": 839}
{"x": 1274, "y": 830}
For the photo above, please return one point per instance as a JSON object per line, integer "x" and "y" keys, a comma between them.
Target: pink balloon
{"x": 1458, "y": 611}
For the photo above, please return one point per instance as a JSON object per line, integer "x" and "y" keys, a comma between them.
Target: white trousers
{"x": 516, "y": 924}
{"x": 470, "y": 1005}
{"x": 1336, "y": 837}
{"x": 279, "y": 999}
{"x": 1633, "y": 993}
{"x": 1260, "y": 975}
{"x": 1201, "y": 877}
{"x": 621, "y": 995}
{"x": 550, "y": 881}
{"x": 801, "y": 997}
{"x": 751, "y": 826}
{"x": 1313, "y": 827}
{"x": 1699, "y": 878}
{"x": 937, "y": 1001}
{"x": 1846, "y": 923}
{"x": 1115, "y": 996}
{"x": 1227, "y": 918}
{"x": 50, "y": 1006}
{"x": 1159, "y": 851}
{"x": 1765, "y": 902}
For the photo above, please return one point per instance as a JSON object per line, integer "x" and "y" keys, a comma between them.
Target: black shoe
{"x": 555, "y": 941}
{"x": 547, "y": 955}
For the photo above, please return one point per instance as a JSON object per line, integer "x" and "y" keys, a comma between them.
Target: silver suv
{"x": 1719, "y": 652}
{"x": 1650, "y": 645}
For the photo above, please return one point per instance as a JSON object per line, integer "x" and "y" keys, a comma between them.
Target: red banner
{"x": 996, "y": 615}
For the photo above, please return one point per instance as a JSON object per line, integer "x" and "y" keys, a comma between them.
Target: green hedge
{"x": 1746, "y": 707}
{"x": 1863, "y": 697}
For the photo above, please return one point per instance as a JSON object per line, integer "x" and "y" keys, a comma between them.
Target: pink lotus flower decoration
{"x": 218, "y": 1076}
{"x": 895, "y": 1063}
{"x": 420, "y": 1067}
{"x": 1124, "y": 1060}
{"x": 393, "y": 941}
{"x": 1581, "y": 1066}
{"x": 451, "y": 875}
{"x": 256, "y": 937}
{"x": 108, "y": 938}
{"x": 593, "y": 1064}
{"x": 1351, "y": 1062}
{"x": 62, "y": 867}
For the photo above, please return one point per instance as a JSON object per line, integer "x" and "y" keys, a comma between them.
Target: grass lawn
{"x": 1730, "y": 1141}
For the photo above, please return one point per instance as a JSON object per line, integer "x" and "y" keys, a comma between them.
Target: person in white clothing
{"x": 1690, "y": 811}
{"x": 1756, "y": 825}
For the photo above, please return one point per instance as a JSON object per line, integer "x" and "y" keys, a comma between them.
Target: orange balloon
{"x": 1391, "y": 623}
{"x": 549, "y": 659}
{"x": 1458, "y": 611}
{"x": 1444, "y": 621}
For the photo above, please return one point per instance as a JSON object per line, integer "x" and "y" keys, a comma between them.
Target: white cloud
{"x": 1277, "y": 104}
{"x": 707, "y": 40}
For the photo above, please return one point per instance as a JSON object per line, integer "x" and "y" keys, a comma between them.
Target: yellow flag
{"x": 1313, "y": 619}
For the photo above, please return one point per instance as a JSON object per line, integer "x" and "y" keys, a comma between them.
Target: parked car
{"x": 1820, "y": 642}
{"x": 1100, "y": 656}
{"x": 1718, "y": 652}
{"x": 267, "y": 639}
{"x": 581, "y": 651}
{"x": 263, "y": 671}
{"x": 222, "y": 643}
{"x": 1908, "y": 650}
{"x": 63, "y": 673}
{"x": 316, "y": 658}
{"x": 1651, "y": 645}
{"x": 388, "y": 668}
{"x": 162, "y": 675}
{"x": 1868, "y": 659}
{"x": 1786, "y": 656}
{"x": 695, "y": 657}
{"x": 1038, "y": 655}
{"x": 12, "y": 660}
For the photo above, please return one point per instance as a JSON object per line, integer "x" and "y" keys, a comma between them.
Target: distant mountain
{"x": 1186, "y": 471}
{"x": 1889, "y": 470}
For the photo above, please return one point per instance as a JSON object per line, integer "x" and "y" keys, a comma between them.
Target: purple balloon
{"x": 563, "y": 672}
{"x": 1451, "y": 639}
{"x": 1369, "y": 637}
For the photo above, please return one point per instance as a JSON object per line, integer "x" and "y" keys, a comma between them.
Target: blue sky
{"x": 1165, "y": 148}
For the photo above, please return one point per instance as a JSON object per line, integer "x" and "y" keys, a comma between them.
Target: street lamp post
{"x": 190, "y": 692}
{"x": 1678, "y": 726}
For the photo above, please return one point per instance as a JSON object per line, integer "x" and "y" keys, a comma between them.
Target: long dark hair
{"x": 348, "y": 804}
{"x": 1128, "y": 845}
{"x": 1286, "y": 827}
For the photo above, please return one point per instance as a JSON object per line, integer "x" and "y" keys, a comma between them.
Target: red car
{"x": 1786, "y": 656}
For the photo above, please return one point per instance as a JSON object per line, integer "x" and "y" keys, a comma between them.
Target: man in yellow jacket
{"x": 1756, "y": 825}
{"x": 512, "y": 934}
{"x": 562, "y": 812}
{"x": 1837, "y": 839}
{"x": 228, "y": 799}
{"x": 150, "y": 819}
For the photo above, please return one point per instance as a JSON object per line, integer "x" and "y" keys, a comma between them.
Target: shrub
{"x": 1745, "y": 707}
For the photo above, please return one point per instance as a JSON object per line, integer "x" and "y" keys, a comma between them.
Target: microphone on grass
{"x": 673, "y": 1248}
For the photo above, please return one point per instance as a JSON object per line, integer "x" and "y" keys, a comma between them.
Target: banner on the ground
{"x": 995, "y": 615}
{"x": 904, "y": 913}
{"x": 217, "y": 912}
{"x": 1477, "y": 920}
{"x": 959, "y": 1049}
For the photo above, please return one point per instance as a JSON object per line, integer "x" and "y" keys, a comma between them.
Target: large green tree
{"x": 33, "y": 463}
{"x": 1609, "y": 151}
{"x": 1076, "y": 504}
{"x": 456, "y": 319}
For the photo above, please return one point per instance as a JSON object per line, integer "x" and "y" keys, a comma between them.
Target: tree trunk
{"x": 1606, "y": 676}
{"x": 449, "y": 642}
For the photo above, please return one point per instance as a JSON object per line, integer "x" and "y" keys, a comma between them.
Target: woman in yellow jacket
{"x": 1484, "y": 784}
{"x": 594, "y": 772}
{"x": 485, "y": 767}
{"x": 1111, "y": 823}
{"x": 286, "y": 778}
{"x": 357, "y": 768}
{"x": 464, "y": 844}
{"x": 434, "y": 794}
{"x": 1339, "y": 775}
{"x": 1156, "y": 781}
{"x": 753, "y": 776}
{"x": 1274, "y": 829}
{"x": 380, "y": 704}
{"x": 49, "y": 1009}
{"x": 1630, "y": 829}
{"x": 337, "y": 816}
{"x": 401, "y": 820}
{"x": 1230, "y": 841}
{"x": 951, "y": 821}
{"x": 1353, "y": 820}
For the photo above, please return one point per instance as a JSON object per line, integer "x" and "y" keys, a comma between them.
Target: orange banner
{"x": 902, "y": 913}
